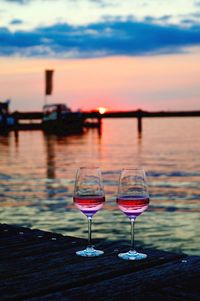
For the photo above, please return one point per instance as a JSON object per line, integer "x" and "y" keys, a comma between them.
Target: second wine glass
{"x": 89, "y": 197}
{"x": 133, "y": 200}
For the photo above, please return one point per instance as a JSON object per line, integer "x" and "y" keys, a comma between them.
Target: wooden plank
{"x": 54, "y": 258}
{"x": 58, "y": 276}
{"x": 33, "y": 248}
{"x": 32, "y": 267}
{"x": 11, "y": 230}
{"x": 21, "y": 242}
{"x": 148, "y": 284}
{"x": 186, "y": 290}
{"x": 12, "y": 235}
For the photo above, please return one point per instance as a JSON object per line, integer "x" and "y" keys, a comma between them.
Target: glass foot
{"x": 132, "y": 255}
{"x": 89, "y": 252}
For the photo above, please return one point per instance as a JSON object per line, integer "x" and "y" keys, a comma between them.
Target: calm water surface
{"x": 37, "y": 176}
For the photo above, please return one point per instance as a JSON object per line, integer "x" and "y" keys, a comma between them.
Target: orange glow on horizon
{"x": 168, "y": 82}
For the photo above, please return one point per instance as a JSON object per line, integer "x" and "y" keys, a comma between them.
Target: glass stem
{"x": 89, "y": 232}
{"x": 132, "y": 235}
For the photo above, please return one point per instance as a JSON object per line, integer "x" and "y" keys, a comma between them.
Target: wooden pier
{"x": 33, "y": 120}
{"x": 42, "y": 266}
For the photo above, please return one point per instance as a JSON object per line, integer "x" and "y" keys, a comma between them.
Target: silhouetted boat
{"x": 59, "y": 119}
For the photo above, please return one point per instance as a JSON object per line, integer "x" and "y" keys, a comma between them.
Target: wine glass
{"x": 132, "y": 199}
{"x": 89, "y": 197}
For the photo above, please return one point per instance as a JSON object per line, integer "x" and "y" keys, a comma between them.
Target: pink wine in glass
{"x": 133, "y": 206}
{"x": 89, "y": 205}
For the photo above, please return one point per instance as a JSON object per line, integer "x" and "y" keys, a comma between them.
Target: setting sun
{"x": 101, "y": 110}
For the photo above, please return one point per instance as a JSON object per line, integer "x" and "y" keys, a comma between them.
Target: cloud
{"x": 18, "y": 1}
{"x": 108, "y": 38}
{"x": 162, "y": 19}
{"x": 16, "y": 22}
{"x": 197, "y": 3}
{"x": 187, "y": 21}
{"x": 101, "y": 3}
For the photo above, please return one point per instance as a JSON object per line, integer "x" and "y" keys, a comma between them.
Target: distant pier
{"x": 140, "y": 114}
{"x": 33, "y": 120}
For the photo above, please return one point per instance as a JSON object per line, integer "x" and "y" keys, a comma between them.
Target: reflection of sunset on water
{"x": 16, "y": 204}
{"x": 97, "y": 59}
{"x": 37, "y": 179}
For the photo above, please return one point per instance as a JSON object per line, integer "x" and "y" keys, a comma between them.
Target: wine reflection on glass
{"x": 89, "y": 197}
{"x": 133, "y": 200}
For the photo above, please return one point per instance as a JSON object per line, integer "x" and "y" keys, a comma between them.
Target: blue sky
{"x": 96, "y": 28}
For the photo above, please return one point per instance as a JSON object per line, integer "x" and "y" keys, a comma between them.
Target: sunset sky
{"x": 125, "y": 55}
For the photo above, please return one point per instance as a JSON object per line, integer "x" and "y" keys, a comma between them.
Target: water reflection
{"x": 4, "y": 139}
{"x": 50, "y": 151}
{"x": 37, "y": 174}
{"x": 100, "y": 129}
{"x": 16, "y": 134}
{"x": 50, "y": 174}
{"x": 58, "y": 150}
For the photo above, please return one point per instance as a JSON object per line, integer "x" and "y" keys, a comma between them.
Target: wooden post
{"x": 99, "y": 118}
{"x": 16, "y": 134}
{"x": 139, "y": 119}
{"x": 16, "y": 118}
{"x": 100, "y": 126}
